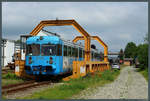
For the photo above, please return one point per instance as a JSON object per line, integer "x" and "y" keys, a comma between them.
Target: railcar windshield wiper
{"x": 48, "y": 50}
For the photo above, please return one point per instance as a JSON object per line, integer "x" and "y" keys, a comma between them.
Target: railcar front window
{"x": 48, "y": 50}
{"x": 33, "y": 49}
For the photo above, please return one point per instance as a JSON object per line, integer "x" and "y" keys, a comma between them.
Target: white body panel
{"x": 8, "y": 52}
{"x": 66, "y": 63}
{"x": 42, "y": 33}
{"x": 116, "y": 66}
{"x": 22, "y": 55}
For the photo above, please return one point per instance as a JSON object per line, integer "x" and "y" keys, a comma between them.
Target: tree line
{"x": 137, "y": 52}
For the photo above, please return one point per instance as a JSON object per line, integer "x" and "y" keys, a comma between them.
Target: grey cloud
{"x": 115, "y": 23}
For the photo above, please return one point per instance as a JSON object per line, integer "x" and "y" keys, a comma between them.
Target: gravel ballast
{"x": 129, "y": 85}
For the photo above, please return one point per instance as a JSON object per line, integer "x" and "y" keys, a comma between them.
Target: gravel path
{"x": 129, "y": 85}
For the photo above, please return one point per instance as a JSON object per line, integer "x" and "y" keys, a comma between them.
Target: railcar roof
{"x": 53, "y": 39}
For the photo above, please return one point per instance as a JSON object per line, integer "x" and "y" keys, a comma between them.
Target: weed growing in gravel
{"x": 11, "y": 78}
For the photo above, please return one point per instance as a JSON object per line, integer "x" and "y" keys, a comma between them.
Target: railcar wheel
{"x": 38, "y": 78}
{"x": 12, "y": 67}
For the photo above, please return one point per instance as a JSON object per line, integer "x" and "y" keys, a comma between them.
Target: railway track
{"x": 5, "y": 71}
{"x": 22, "y": 86}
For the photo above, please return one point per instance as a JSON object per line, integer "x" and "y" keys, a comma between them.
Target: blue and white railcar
{"x": 51, "y": 55}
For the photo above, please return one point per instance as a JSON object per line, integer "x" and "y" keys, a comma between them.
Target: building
{"x": 7, "y": 51}
{"x": 128, "y": 61}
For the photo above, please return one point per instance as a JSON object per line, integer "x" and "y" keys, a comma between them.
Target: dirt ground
{"x": 129, "y": 85}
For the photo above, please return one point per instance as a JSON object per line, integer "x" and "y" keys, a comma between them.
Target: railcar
{"x": 52, "y": 55}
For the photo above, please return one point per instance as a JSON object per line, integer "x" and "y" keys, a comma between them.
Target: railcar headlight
{"x": 51, "y": 60}
{"x": 30, "y": 60}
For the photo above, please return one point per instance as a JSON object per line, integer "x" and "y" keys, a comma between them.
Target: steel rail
{"x": 22, "y": 86}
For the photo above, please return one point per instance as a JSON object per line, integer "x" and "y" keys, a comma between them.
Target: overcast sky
{"x": 115, "y": 23}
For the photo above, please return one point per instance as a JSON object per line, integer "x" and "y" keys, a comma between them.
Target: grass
{"x": 144, "y": 72}
{"x": 10, "y": 78}
{"x": 6, "y": 82}
{"x": 75, "y": 86}
{"x": 4, "y": 98}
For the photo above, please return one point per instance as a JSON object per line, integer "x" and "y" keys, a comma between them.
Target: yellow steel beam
{"x": 77, "y": 39}
{"x": 81, "y": 68}
{"x": 86, "y": 36}
{"x": 99, "y": 40}
{"x": 104, "y": 45}
{"x": 59, "y": 23}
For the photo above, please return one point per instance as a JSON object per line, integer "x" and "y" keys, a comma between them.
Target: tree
{"x": 142, "y": 55}
{"x": 121, "y": 54}
{"x": 93, "y": 46}
{"x": 130, "y": 50}
{"x": 146, "y": 38}
{"x": 17, "y": 41}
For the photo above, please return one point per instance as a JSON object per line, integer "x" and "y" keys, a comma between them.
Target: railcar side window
{"x": 69, "y": 51}
{"x": 83, "y": 53}
{"x": 73, "y": 52}
{"x": 80, "y": 52}
{"x": 48, "y": 50}
{"x": 95, "y": 55}
{"x": 33, "y": 49}
{"x": 92, "y": 55}
{"x": 98, "y": 56}
{"x": 76, "y": 52}
{"x": 59, "y": 50}
{"x": 65, "y": 50}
